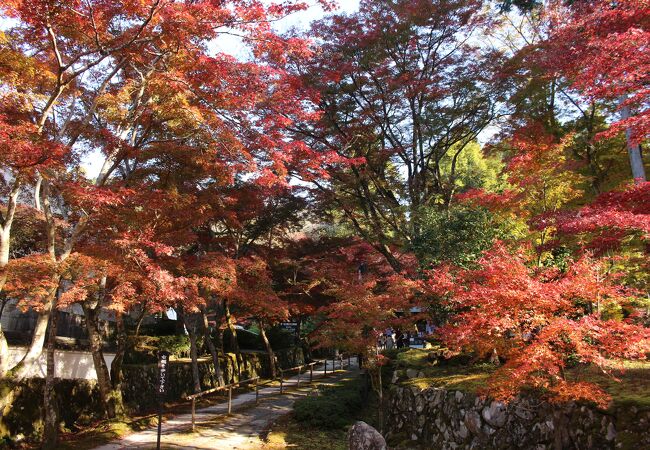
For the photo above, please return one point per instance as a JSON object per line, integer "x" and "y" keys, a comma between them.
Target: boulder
{"x": 473, "y": 422}
{"x": 495, "y": 414}
{"x": 411, "y": 373}
{"x": 364, "y": 437}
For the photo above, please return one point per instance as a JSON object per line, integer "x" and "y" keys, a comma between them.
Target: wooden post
{"x": 349, "y": 361}
{"x": 281, "y": 379}
{"x": 193, "y": 413}
{"x": 229, "y": 399}
{"x": 311, "y": 373}
{"x": 257, "y": 391}
{"x": 325, "y": 374}
{"x": 299, "y": 370}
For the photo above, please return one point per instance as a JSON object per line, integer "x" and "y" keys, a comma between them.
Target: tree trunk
{"x": 139, "y": 322}
{"x": 269, "y": 349}
{"x": 35, "y": 350}
{"x": 211, "y": 348}
{"x": 5, "y": 242}
{"x": 233, "y": 333}
{"x": 116, "y": 365}
{"x": 633, "y": 151}
{"x": 37, "y": 192}
{"x": 4, "y": 347}
{"x": 111, "y": 401}
{"x": 190, "y": 326}
{"x": 51, "y": 422}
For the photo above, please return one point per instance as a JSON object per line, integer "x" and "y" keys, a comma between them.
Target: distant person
{"x": 390, "y": 342}
{"x": 381, "y": 342}
{"x": 400, "y": 339}
{"x": 407, "y": 339}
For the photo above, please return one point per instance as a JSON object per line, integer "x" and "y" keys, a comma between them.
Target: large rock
{"x": 364, "y": 437}
{"x": 495, "y": 414}
{"x": 411, "y": 373}
{"x": 473, "y": 422}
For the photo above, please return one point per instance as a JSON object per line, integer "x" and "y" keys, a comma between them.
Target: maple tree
{"x": 213, "y": 167}
{"x": 606, "y": 44}
{"x": 538, "y": 321}
{"x": 136, "y": 83}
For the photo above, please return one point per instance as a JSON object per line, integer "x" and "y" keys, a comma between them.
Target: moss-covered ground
{"x": 105, "y": 432}
{"x": 629, "y": 385}
{"x": 288, "y": 433}
{"x": 298, "y": 432}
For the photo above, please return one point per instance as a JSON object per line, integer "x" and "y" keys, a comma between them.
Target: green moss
{"x": 413, "y": 358}
{"x": 628, "y": 387}
{"x": 627, "y": 440}
{"x": 453, "y": 374}
{"x": 104, "y": 433}
{"x": 286, "y": 433}
{"x": 460, "y": 378}
{"x": 334, "y": 407}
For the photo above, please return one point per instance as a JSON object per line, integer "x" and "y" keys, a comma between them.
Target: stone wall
{"x": 290, "y": 357}
{"x": 79, "y": 399}
{"x": 436, "y": 418}
{"x": 140, "y": 380}
{"x": 78, "y": 405}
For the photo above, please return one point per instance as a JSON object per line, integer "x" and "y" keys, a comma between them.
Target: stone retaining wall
{"x": 436, "y": 418}
{"x": 79, "y": 399}
{"x": 140, "y": 380}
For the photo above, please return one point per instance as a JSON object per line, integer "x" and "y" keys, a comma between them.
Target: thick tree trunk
{"x": 51, "y": 421}
{"x": 5, "y": 241}
{"x": 111, "y": 400}
{"x": 4, "y": 347}
{"x": 633, "y": 151}
{"x": 233, "y": 333}
{"x": 190, "y": 326}
{"x": 211, "y": 348}
{"x": 35, "y": 350}
{"x": 269, "y": 349}
{"x": 116, "y": 365}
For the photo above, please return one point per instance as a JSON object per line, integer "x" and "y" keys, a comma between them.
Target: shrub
{"x": 281, "y": 338}
{"x": 335, "y": 406}
{"x": 178, "y": 345}
{"x": 249, "y": 340}
{"x": 144, "y": 349}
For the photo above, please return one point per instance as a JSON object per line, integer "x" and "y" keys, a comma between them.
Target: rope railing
{"x": 299, "y": 369}
{"x": 340, "y": 359}
{"x": 229, "y": 387}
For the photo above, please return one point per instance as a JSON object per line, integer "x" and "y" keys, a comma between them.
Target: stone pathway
{"x": 239, "y": 431}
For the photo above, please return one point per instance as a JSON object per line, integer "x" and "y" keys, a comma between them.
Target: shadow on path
{"x": 242, "y": 429}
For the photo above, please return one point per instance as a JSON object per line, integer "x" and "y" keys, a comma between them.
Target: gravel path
{"x": 241, "y": 430}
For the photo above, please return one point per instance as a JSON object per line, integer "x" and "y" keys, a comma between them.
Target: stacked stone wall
{"x": 436, "y": 418}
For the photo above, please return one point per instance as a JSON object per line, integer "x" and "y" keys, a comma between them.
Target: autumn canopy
{"x": 479, "y": 166}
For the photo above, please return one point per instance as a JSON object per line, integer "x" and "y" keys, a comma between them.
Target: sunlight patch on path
{"x": 239, "y": 431}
